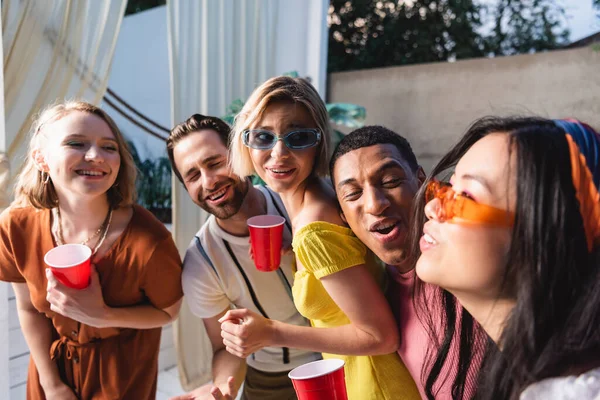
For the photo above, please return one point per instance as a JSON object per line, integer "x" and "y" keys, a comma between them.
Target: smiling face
{"x": 281, "y": 168}
{"x": 80, "y": 153}
{"x": 375, "y": 188}
{"x": 471, "y": 257}
{"x": 201, "y": 158}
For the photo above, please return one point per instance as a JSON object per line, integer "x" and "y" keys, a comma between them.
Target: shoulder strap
{"x": 209, "y": 261}
{"x": 280, "y": 273}
{"x": 286, "y": 351}
{"x": 287, "y": 223}
{"x": 246, "y": 280}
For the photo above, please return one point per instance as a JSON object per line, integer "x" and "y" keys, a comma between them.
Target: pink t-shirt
{"x": 414, "y": 338}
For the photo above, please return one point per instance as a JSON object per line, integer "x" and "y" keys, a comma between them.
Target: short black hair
{"x": 371, "y": 135}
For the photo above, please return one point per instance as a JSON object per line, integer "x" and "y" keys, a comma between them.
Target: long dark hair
{"x": 553, "y": 328}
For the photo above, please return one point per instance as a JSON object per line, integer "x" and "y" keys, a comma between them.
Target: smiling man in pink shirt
{"x": 376, "y": 176}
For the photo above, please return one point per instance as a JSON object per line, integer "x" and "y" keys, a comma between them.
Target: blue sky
{"x": 582, "y": 18}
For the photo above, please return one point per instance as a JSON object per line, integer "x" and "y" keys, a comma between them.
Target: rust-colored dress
{"x": 142, "y": 267}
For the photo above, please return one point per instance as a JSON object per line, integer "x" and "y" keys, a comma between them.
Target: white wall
{"x": 140, "y": 69}
{"x": 433, "y": 104}
{"x": 140, "y": 75}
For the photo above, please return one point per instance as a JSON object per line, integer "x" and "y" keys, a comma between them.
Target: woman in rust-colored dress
{"x": 77, "y": 186}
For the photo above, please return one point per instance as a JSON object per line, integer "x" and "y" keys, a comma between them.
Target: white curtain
{"x": 53, "y": 50}
{"x": 220, "y": 50}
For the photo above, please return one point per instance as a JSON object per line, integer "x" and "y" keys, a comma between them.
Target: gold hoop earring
{"x": 47, "y": 179}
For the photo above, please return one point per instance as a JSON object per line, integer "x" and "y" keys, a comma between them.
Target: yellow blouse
{"x": 324, "y": 249}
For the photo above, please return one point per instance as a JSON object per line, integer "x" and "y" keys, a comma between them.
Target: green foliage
{"x": 375, "y": 33}
{"x": 291, "y": 74}
{"x": 527, "y": 26}
{"x": 232, "y": 110}
{"x": 379, "y": 33}
{"x": 345, "y": 114}
{"x": 153, "y": 184}
{"x": 257, "y": 181}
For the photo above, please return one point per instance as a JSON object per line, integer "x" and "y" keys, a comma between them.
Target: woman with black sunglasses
{"x": 515, "y": 236}
{"x": 282, "y": 134}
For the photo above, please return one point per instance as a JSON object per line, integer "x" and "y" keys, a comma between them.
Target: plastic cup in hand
{"x": 320, "y": 380}
{"x": 266, "y": 236}
{"x": 70, "y": 264}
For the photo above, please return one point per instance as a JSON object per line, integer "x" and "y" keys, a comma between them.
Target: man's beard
{"x": 230, "y": 207}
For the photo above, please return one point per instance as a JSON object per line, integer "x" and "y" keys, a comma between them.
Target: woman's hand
{"x": 86, "y": 306}
{"x": 60, "y": 392}
{"x": 245, "y": 332}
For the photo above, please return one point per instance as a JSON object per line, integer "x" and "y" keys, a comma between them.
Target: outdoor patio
{"x": 168, "y": 384}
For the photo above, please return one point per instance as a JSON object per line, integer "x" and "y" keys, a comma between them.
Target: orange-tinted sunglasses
{"x": 457, "y": 207}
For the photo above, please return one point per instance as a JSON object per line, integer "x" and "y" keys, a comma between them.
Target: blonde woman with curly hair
{"x": 77, "y": 186}
{"x": 282, "y": 134}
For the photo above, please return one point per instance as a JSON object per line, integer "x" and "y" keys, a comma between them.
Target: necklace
{"x": 102, "y": 230}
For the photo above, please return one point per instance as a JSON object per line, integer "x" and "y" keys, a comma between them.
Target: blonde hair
{"x": 30, "y": 189}
{"x": 275, "y": 90}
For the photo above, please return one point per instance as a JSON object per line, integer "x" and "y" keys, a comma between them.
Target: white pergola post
{"x": 4, "y": 373}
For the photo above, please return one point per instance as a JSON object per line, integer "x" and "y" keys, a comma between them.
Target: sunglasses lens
{"x": 430, "y": 192}
{"x": 260, "y": 139}
{"x": 302, "y": 139}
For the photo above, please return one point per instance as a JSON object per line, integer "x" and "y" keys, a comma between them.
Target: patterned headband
{"x": 584, "y": 148}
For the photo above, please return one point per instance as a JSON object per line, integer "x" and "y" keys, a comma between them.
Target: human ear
{"x": 40, "y": 160}
{"x": 343, "y": 217}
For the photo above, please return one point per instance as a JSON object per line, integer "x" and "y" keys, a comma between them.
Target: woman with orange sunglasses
{"x": 514, "y": 235}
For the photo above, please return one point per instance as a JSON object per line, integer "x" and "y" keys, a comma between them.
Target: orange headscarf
{"x": 584, "y": 148}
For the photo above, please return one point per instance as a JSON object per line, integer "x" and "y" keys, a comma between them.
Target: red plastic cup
{"x": 70, "y": 264}
{"x": 320, "y": 380}
{"x": 266, "y": 236}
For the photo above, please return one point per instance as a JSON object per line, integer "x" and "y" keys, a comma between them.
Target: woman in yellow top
{"x": 282, "y": 134}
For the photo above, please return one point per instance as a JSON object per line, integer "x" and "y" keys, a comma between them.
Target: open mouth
{"x": 388, "y": 230}
{"x": 427, "y": 242}
{"x": 428, "y": 239}
{"x": 280, "y": 173}
{"x": 86, "y": 172}
{"x": 218, "y": 195}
